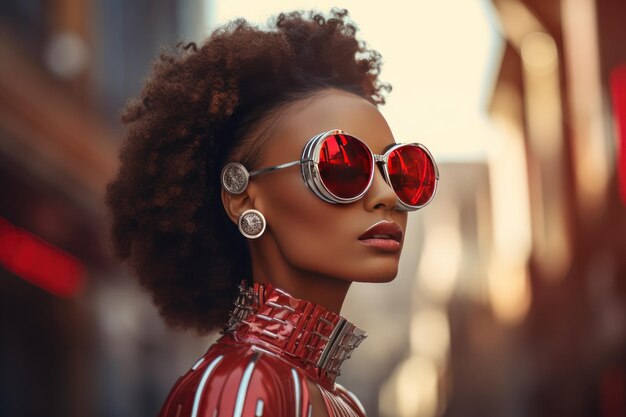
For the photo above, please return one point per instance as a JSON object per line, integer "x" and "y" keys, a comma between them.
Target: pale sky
{"x": 440, "y": 56}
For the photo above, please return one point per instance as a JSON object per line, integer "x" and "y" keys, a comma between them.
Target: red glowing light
{"x": 39, "y": 262}
{"x": 618, "y": 94}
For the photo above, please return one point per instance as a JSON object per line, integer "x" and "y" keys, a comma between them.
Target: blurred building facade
{"x": 551, "y": 339}
{"x": 92, "y": 344}
{"x": 553, "y": 95}
{"x": 514, "y": 307}
{"x": 519, "y": 308}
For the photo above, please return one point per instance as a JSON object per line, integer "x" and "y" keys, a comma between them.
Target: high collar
{"x": 306, "y": 334}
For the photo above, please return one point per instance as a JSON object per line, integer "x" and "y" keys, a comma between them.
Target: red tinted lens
{"x": 412, "y": 175}
{"x": 345, "y": 165}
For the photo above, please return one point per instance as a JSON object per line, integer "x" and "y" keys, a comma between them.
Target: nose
{"x": 380, "y": 195}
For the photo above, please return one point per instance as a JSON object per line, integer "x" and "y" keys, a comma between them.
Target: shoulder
{"x": 238, "y": 380}
{"x": 350, "y": 398}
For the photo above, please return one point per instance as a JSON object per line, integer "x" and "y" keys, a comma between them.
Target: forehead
{"x": 326, "y": 110}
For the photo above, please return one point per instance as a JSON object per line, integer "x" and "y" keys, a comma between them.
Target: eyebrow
{"x": 387, "y": 147}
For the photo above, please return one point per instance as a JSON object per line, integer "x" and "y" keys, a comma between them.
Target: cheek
{"x": 319, "y": 237}
{"x": 303, "y": 224}
{"x": 308, "y": 231}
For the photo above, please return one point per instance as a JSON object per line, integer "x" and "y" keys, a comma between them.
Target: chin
{"x": 381, "y": 275}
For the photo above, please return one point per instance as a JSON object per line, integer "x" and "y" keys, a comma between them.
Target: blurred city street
{"x": 511, "y": 296}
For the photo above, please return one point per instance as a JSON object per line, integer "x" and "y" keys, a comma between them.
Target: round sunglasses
{"x": 339, "y": 169}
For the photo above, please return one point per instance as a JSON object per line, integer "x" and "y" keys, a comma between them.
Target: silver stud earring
{"x": 251, "y": 224}
{"x": 234, "y": 178}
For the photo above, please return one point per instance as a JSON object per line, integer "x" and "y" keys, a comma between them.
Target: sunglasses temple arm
{"x": 275, "y": 168}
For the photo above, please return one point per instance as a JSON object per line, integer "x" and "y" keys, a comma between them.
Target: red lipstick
{"x": 384, "y": 235}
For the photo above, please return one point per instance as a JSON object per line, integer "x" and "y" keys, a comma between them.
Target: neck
{"x": 302, "y": 333}
{"x": 326, "y": 291}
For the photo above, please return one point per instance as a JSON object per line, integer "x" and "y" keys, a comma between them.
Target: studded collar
{"x": 301, "y": 332}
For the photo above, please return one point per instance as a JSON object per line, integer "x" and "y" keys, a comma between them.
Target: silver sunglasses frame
{"x": 311, "y": 175}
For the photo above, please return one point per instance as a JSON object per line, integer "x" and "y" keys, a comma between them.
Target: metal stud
{"x": 251, "y": 224}
{"x": 234, "y": 178}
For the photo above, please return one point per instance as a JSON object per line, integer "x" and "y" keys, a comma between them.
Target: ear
{"x": 235, "y": 204}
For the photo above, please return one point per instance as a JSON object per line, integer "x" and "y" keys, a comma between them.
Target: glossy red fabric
{"x": 249, "y": 372}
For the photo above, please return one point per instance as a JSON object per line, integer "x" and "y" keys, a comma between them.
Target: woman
{"x": 257, "y": 165}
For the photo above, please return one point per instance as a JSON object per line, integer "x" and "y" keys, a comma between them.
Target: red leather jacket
{"x": 272, "y": 345}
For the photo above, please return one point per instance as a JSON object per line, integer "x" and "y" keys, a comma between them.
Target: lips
{"x": 383, "y": 230}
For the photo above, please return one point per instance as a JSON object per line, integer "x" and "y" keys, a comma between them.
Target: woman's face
{"x": 306, "y": 234}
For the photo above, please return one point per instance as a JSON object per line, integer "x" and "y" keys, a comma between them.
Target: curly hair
{"x": 196, "y": 110}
